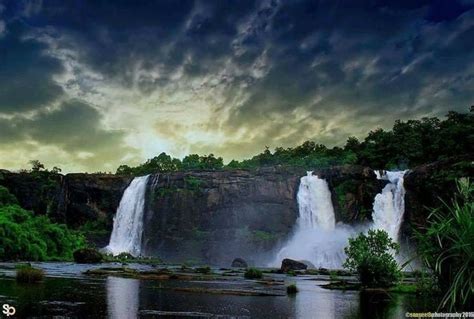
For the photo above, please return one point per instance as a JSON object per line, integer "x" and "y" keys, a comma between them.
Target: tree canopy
{"x": 407, "y": 144}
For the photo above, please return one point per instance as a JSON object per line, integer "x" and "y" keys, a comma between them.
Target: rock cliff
{"x": 206, "y": 216}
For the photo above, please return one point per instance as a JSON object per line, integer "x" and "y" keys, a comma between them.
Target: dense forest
{"x": 407, "y": 144}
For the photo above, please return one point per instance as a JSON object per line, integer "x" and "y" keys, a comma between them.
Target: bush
{"x": 291, "y": 289}
{"x": 253, "y": 273}
{"x": 447, "y": 246}
{"x": 371, "y": 257}
{"x": 28, "y": 274}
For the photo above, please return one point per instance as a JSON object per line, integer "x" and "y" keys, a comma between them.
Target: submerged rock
{"x": 239, "y": 263}
{"x": 290, "y": 264}
{"x": 87, "y": 256}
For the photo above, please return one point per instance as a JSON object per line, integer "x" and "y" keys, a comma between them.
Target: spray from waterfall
{"x": 316, "y": 237}
{"x": 128, "y": 222}
{"x": 389, "y": 205}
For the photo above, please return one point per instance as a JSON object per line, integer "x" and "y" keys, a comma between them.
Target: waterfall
{"x": 389, "y": 205}
{"x": 316, "y": 237}
{"x": 128, "y": 222}
{"x": 315, "y": 205}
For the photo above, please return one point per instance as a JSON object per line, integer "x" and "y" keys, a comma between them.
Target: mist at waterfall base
{"x": 317, "y": 238}
{"x": 128, "y": 222}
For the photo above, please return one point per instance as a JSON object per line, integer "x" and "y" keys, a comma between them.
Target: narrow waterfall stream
{"x": 128, "y": 222}
{"x": 389, "y": 205}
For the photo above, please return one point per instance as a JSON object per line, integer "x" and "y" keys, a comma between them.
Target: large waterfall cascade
{"x": 128, "y": 222}
{"x": 389, "y": 205}
{"x": 319, "y": 240}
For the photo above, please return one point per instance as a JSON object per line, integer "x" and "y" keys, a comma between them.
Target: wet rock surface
{"x": 292, "y": 265}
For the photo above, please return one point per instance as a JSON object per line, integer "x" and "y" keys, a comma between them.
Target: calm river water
{"x": 67, "y": 292}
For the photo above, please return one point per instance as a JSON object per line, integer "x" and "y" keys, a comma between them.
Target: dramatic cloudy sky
{"x": 86, "y": 85}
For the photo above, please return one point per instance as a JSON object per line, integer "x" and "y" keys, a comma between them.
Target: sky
{"x": 90, "y": 85}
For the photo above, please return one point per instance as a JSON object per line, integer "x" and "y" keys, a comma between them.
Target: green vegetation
{"x": 407, "y": 144}
{"x": 27, "y": 274}
{"x": 405, "y": 289}
{"x": 165, "y": 163}
{"x": 6, "y": 198}
{"x": 447, "y": 246}
{"x": 94, "y": 227}
{"x": 192, "y": 183}
{"x": 24, "y": 236}
{"x": 263, "y": 236}
{"x": 291, "y": 289}
{"x": 253, "y": 273}
{"x": 371, "y": 257}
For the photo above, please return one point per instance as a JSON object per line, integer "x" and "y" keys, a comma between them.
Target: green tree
{"x": 36, "y": 166}
{"x": 6, "y": 198}
{"x": 371, "y": 256}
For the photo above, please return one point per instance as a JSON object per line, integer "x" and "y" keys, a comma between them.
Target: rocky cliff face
{"x": 217, "y": 216}
{"x": 427, "y": 184}
{"x": 211, "y": 216}
{"x": 74, "y": 199}
{"x": 91, "y": 197}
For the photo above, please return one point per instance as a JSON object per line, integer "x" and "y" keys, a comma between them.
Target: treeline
{"x": 407, "y": 144}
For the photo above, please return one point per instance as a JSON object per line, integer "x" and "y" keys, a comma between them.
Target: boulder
{"x": 290, "y": 264}
{"x": 87, "y": 256}
{"x": 239, "y": 263}
{"x": 308, "y": 263}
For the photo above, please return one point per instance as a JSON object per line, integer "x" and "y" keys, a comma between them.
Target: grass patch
{"x": 291, "y": 289}
{"x": 405, "y": 289}
{"x": 253, "y": 273}
{"x": 28, "y": 275}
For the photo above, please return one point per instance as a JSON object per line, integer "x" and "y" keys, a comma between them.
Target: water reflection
{"x": 313, "y": 301}
{"x": 122, "y": 297}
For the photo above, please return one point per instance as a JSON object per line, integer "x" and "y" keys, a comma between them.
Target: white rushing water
{"x": 316, "y": 237}
{"x": 315, "y": 205}
{"x": 389, "y": 205}
{"x": 128, "y": 222}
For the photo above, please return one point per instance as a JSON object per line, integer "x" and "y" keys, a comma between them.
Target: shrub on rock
{"x": 27, "y": 274}
{"x": 253, "y": 273}
{"x": 239, "y": 263}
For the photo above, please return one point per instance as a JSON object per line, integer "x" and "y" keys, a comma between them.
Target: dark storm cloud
{"x": 389, "y": 59}
{"x": 283, "y": 71}
{"x": 113, "y": 38}
{"x": 76, "y": 126}
{"x": 26, "y": 72}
